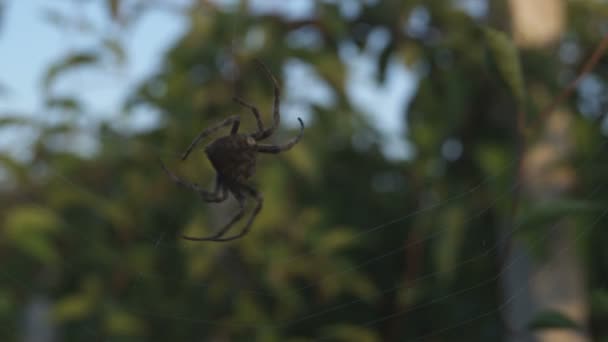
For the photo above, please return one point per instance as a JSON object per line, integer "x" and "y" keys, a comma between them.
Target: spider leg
{"x": 263, "y": 148}
{"x": 220, "y": 190}
{"x": 265, "y": 133}
{"x": 256, "y": 114}
{"x": 258, "y": 207}
{"x": 218, "y": 235}
{"x": 219, "y": 193}
{"x": 232, "y": 120}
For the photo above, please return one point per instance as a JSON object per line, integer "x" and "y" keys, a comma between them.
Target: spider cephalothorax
{"x": 233, "y": 157}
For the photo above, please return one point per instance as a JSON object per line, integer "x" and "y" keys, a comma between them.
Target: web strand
{"x": 374, "y": 259}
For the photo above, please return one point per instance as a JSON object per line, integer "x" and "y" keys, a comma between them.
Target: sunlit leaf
{"x": 118, "y": 214}
{"x": 248, "y": 309}
{"x": 29, "y": 229}
{"x": 200, "y": 265}
{"x": 336, "y": 239}
{"x": 78, "y": 306}
{"x": 303, "y": 161}
{"x": 268, "y": 333}
{"x": 410, "y": 53}
{"x": 552, "y": 320}
{"x": 73, "y": 307}
{"x": 30, "y": 220}
{"x": 350, "y": 333}
{"x": 38, "y": 247}
{"x": 361, "y": 286}
{"x": 493, "y": 159}
{"x": 123, "y": 323}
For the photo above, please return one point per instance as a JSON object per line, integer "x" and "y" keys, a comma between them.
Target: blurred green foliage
{"x": 333, "y": 255}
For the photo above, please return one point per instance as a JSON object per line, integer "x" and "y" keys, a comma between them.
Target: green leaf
{"x": 123, "y": 323}
{"x": 493, "y": 159}
{"x": 552, "y": 319}
{"x": 28, "y": 220}
{"x": 115, "y": 46}
{"x": 410, "y": 53}
{"x": 8, "y": 302}
{"x": 114, "y": 9}
{"x": 599, "y": 303}
{"x": 504, "y": 55}
{"x": 73, "y": 307}
{"x": 118, "y": 214}
{"x": 335, "y": 239}
{"x": 79, "y": 305}
{"x": 28, "y": 228}
{"x": 450, "y": 241}
{"x": 348, "y": 332}
{"x": 545, "y": 212}
{"x": 39, "y": 248}
{"x": 64, "y": 103}
{"x": 383, "y": 61}
{"x": 247, "y": 308}
{"x": 17, "y": 171}
{"x": 14, "y": 119}
{"x": 70, "y": 62}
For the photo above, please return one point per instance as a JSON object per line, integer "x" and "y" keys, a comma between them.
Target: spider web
{"x": 177, "y": 317}
{"x": 160, "y": 244}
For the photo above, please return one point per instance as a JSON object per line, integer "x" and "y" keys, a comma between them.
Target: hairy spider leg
{"x": 218, "y": 195}
{"x": 263, "y": 148}
{"x": 265, "y": 133}
{"x": 239, "y": 215}
{"x": 218, "y": 237}
{"x": 256, "y": 114}
{"x": 233, "y": 120}
{"x": 256, "y": 210}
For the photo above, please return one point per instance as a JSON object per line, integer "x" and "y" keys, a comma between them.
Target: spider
{"x": 233, "y": 157}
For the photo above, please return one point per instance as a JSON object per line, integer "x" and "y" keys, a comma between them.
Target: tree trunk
{"x": 555, "y": 281}
{"x": 38, "y": 325}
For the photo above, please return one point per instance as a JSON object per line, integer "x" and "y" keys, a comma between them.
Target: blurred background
{"x": 444, "y": 190}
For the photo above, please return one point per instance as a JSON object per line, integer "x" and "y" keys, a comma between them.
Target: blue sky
{"x": 29, "y": 43}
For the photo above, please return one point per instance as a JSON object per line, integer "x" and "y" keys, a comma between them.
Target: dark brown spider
{"x": 233, "y": 157}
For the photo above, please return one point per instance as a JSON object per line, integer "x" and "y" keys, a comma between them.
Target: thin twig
{"x": 589, "y": 65}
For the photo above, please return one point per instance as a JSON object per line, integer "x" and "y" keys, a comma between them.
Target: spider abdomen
{"x": 233, "y": 157}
